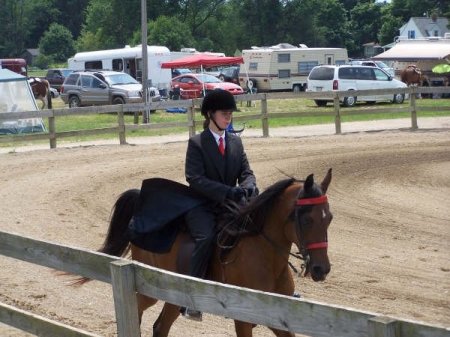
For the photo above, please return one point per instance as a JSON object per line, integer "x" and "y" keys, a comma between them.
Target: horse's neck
{"x": 277, "y": 232}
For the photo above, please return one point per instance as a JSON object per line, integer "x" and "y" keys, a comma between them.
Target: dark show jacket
{"x": 163, "y": 202}
{"x": 209, "y": 173}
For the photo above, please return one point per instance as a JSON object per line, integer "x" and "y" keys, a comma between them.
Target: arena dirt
{"x": 389, "y": 240}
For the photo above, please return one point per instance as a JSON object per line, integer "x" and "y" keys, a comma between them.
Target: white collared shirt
{"x": 217, "y": 136}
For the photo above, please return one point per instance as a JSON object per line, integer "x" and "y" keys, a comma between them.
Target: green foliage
{"x": 166, "y": 31}
{"x": 42, "y": 61}
{"x": 389, "y": 29}
{"x": 217, "y": 25}
{"x": 13, "y": 27}
{"x": 365, "y": 23}
{"x": 57, "y": 43}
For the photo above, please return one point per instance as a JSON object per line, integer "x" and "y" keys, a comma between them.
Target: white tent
{"x": 16, "y": 96}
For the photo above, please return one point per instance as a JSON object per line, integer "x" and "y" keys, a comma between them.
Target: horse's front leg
{"x": 165, "y": 320}
{"x": 243, "y": 329}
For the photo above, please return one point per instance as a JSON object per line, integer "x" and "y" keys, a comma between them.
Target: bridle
{"x": 305, "y": 248}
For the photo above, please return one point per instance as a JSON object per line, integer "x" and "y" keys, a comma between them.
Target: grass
{"x": 302, "y": 106}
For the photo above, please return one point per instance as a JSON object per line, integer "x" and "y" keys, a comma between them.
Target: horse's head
{"x": 312, "y": 219}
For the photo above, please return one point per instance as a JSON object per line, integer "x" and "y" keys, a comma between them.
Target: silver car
{"x": 83, "y": 88}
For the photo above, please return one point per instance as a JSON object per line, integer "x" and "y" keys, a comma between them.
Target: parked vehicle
{"x": 127, "y": 60}
{"x": 195, "y": 85}
{"x": 102, "y": 88}
{"x": 54, "y": 92}
{"x": 350, "y": 78}
{"x": 180, "y": 71}
{"x": 284, "y": 67}
{"x": 377, "y": 64}
{"x": 57, "y": 76}
{"x": 19, "y": 66}
{"x": 230, "y": 74}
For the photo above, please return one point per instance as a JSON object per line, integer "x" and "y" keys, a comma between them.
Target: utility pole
{"x": 146, "y": 112}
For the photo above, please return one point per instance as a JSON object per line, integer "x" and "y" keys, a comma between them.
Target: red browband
{"x": 312, "y": 201}
{"x": 317, "y": 245}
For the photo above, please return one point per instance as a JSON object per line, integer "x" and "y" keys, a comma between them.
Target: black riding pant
{"x": 202, "y": 227}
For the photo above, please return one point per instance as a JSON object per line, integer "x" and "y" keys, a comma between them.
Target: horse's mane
{"x": 237, "y": 221}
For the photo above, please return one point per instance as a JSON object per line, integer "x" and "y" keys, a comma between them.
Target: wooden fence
{"x": 128, "y": 277}
{"x": 191, "y": 124}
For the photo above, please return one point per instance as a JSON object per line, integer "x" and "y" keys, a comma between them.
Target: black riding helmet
{"x": 218, "y": 99}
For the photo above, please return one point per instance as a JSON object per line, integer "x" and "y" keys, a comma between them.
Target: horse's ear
{"x": 309, "y": 182}
{"x": 326, "y": 181}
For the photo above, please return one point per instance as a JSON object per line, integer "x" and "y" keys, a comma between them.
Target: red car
{"x": 194, "y": 85}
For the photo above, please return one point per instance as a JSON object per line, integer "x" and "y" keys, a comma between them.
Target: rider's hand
{"x": 251, "y": 192}
{"x": 236, "y": 193}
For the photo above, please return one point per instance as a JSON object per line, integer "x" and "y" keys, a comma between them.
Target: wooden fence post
{"x": 52, "y": 131}
{"x": 337, "y": 114}
{"x": 191, "y": 120}
{"x": 125, "y": 299}
{"x": 383, "y": 327}
{"x": 264, "y": 117}
{"x": 121, "y": 122}
{"x": 413, "y": 108}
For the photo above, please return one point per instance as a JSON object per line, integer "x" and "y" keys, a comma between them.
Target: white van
{"x": 348, "y": 77}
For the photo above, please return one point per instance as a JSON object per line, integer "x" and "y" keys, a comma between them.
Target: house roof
{"x": 414, "y": 50}
{"x": 427, "y": 25}
{"x": 33, "y": 51}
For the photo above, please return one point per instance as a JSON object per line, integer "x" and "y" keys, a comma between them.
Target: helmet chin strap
{"x": 214, "y": 121}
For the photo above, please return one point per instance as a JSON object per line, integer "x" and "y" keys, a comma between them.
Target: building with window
{"x": 424, "y": 27}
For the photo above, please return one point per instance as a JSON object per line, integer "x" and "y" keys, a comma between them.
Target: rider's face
{"x": 222, "y": 118}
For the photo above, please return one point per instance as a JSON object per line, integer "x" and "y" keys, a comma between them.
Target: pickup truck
{"x": 56, "y": 77}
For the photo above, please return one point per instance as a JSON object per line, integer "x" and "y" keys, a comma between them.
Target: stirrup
{"x": 191, "y": 314}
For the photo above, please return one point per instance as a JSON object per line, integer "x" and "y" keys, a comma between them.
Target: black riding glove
{"x": 252, "y": 192}
{"x": 236, "y": 193}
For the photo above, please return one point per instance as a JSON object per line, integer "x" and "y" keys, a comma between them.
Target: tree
{"x": 390, "y": 27}
{"x": 166, "y": 31}
{"x": 323, "y": 23}
{"x": 261, "y": 21}
{"x": 13, "y": 27}
{"x": 57, "y": 43}
{"x": 364, "y": 26}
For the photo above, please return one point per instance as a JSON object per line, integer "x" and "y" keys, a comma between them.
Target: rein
{"x": 304, "y": 256}
{"x": 304, "y": 249}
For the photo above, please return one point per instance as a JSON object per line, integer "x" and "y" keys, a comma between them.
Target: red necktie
{"x": 221, "y": 147}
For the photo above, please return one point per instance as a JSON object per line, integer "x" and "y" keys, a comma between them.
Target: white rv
{"x": 284, "y": 67}
{"x": 127, "y": 60}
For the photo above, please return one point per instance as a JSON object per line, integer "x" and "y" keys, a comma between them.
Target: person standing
{"x": 218, "y": 169}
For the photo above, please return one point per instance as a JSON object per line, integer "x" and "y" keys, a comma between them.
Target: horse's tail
{"x": 117, "y": 241}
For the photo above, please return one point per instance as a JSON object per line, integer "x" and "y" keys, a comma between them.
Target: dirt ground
{"x": 389, "y": 240}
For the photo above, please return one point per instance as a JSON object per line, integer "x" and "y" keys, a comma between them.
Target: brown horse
{"x": 411, "y": 75}
{"x": 41, "y": 91}
{"x": 258, "y": 244}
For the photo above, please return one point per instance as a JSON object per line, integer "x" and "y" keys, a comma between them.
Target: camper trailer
{"x": 284, "y": 67}
{"x": 127, "y": 60}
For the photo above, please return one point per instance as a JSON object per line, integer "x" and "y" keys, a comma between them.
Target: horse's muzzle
{"x": 319, "y": 273}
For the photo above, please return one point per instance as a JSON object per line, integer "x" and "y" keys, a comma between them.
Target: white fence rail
{"x": 128, "y": 277}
